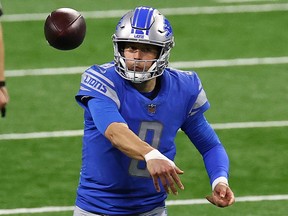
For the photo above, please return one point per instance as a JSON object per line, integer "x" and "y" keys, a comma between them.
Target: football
{"x": 65, "y": 29}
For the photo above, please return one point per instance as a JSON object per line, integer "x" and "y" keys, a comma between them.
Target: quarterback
{"x": 133, "y": 109}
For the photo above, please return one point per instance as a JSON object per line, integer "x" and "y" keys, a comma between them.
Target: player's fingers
{"x": 231, "y": 201}
{"x": 165, "y": 184}
{"x": 156, "y": 183}
{"x": 171, "y": 184}
{"x": 3, "y": 100}
{"x": 220, "y": 198}
{"x": 216, "y": 201}
{"x": 222, "y": 202}
{"x": 225, "y": 196}
{"x": 230, "y": 196}
{"x": 178, "y": 170}
{"x": 222, "y": 192}
{"x": 4, "y": 94}
{"x": 177, "y": 180}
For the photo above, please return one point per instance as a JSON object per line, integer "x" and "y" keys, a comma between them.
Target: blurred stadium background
{"x": 238, "y": 48}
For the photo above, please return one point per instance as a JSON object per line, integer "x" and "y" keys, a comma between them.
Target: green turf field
{"x": 43, "y": 172}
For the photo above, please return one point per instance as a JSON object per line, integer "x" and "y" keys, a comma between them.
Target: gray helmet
{"x": 143, "y": 25}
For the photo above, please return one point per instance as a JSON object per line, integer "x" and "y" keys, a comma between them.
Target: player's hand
{"x": 4, "y": 99}
{"x": 222, "y": 196}
{"x": 167, "y": 173}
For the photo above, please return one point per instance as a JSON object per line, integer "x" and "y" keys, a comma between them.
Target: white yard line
{"x": 243, "y": 1}
{"x": 71, "y": 133}
{"x": 238, "y": 199}
{"x": 36, "y": 210}
{"x": 180, "y": 64}
{"x": 230, "y": 62}
{"x": 166, "y": 11}
{"x": 238, "y": 125}
{"x": 37, "y": 135}
{"x": 45, "y": 71}
{"x": 168, "y": 203}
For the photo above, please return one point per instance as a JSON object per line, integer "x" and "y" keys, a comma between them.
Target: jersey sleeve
{"x": 98, "y": 96}
{"x": 198, "y": 102}
{"x": 94, "y": 84}
{"x": 104, "y": 113}
{"x": 202, "y": 134}
{"x": 208, "y": 144}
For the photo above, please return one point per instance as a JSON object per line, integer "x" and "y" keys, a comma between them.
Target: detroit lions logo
{"x": 167, "y": 28}
{"x": 119, "y": 24}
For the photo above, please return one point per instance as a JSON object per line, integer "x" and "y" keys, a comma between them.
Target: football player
{"x": 133, "y": 109}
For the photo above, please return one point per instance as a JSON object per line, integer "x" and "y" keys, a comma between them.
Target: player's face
{"x": 138, "y": 51}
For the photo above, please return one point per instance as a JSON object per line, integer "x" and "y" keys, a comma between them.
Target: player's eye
{"x": 131, "y": 48}
{"x": 142, "y": 48}
{"x": 146, "y": 49}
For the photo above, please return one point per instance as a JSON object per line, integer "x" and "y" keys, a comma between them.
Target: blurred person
{"x": 4, "y": 97}
{"x": 133, "y": 109}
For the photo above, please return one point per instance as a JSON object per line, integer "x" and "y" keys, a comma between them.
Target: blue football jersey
{"x": 111, "y": 182}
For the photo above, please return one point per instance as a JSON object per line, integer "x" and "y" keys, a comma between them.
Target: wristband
{"x": 155, "y": 154}
{"x": 218, "y": 180}
{"x": 2, "y": 83}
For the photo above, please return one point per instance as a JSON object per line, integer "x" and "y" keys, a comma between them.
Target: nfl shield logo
{"x": 151, "y": 108}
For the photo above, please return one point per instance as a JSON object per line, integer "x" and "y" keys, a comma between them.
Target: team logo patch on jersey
{"x": 151, "y": 108}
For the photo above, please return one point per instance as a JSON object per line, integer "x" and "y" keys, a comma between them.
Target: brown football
{"x": 65, "y": 29}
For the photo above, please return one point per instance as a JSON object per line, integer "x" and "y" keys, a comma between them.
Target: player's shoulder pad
{"x": 100, "y": 74}
{"x": 99, "y": 81}
{"x": 182, "y": 73}
{"x": 184, "y": 77}
{"x": 103, "y": 69}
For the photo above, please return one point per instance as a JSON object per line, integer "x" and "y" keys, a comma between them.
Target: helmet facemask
{"x": 156, "y": 69}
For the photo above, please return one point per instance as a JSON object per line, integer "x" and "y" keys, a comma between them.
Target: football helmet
{"x": 143, "y": 25}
